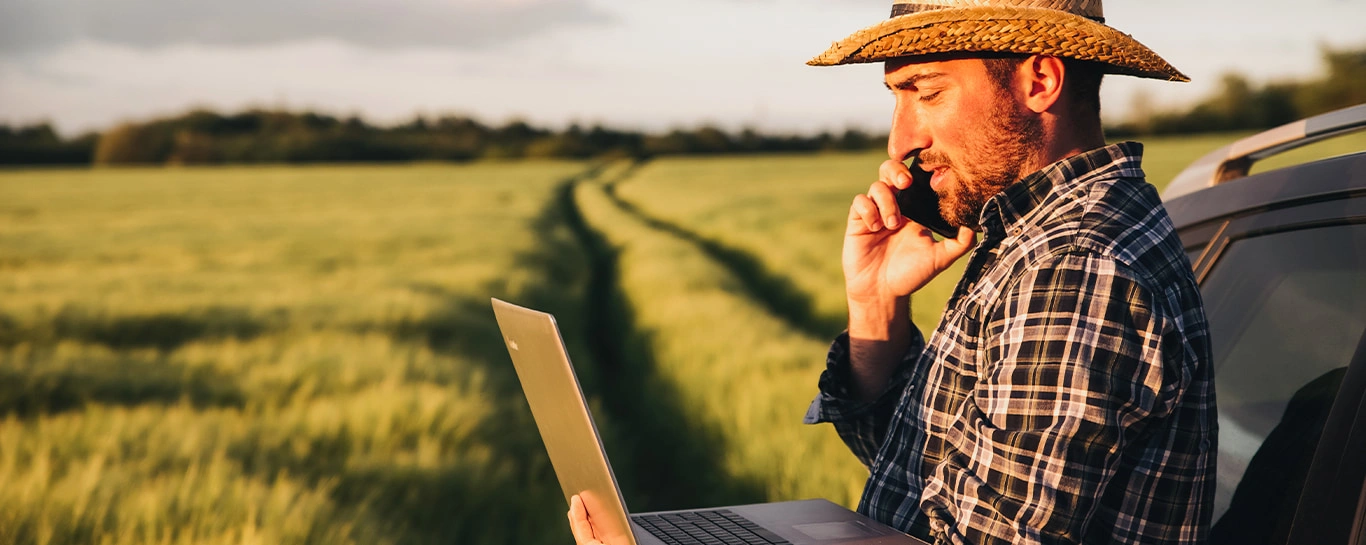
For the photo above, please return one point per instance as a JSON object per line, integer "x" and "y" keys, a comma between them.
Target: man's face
{"x": 972, "y": 134}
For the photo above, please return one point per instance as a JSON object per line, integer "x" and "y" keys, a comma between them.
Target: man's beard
{"x": 991, "y": 164}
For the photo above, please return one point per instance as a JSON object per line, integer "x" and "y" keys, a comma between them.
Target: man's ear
{"x": 1043, "y": 79}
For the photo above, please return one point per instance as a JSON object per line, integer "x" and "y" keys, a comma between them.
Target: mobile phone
{"x": 921, "y": 204}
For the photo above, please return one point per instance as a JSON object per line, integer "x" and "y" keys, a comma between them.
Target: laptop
{"x": 557, "y": 404}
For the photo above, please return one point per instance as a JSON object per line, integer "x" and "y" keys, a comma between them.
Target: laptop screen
{"x": 557, "y": 404}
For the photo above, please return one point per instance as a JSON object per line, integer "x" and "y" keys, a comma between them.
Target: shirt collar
{"x": 1017, "y": 201}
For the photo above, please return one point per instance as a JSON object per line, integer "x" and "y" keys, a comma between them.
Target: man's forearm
{"x": 879, "y": 335}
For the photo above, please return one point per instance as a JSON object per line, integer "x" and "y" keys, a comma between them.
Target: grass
{"x": 275, "y": 355}
{"x": 740, "y": 374}
{"x": 307, "y": 355}
{"x": 787, "y": 214}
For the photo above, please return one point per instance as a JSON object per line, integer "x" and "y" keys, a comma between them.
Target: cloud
{"x": 27, "y": 25}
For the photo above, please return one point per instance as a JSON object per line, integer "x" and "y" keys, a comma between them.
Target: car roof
{"x": 1326, "y": 179}
{"x": 1235, "y": 160}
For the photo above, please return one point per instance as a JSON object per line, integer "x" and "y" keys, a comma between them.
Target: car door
{"x": 1282, "y": 269}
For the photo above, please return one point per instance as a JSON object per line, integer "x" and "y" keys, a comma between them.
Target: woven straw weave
{"x": 994, "y": 28}
{"x": 1085, "y": 8}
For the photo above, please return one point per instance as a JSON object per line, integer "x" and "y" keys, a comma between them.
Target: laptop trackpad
{"x": 833, "y": 530}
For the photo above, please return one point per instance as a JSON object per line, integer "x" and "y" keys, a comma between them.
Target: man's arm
{"x": 1079, "y": 365}
{"x": 861, "y": 421}
{"x": 878, "y": 339}
{"x": 886, "y": 257}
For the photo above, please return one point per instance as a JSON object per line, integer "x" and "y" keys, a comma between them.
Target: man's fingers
{"x": 954, "y": 248}
{"x": 863, "y": 212}
{"x": 578, "y": 523}
{"x": 967, "y": 238}
{"x": 894, "y": 173}
{"x": 885, "y": 199}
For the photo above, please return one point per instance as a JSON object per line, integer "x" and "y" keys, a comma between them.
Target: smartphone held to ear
{"x": 921, "y": 204}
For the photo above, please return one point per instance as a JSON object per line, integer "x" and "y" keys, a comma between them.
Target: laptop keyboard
{"x": 713, "y": 527}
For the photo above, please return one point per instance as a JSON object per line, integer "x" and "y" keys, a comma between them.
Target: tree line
{"x": 1240, "y": 105}
{"x": 265, "y": 136}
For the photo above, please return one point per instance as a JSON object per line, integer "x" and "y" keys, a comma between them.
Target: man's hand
{"x": 886, "y": 258}
{"x": 579, "y": 523}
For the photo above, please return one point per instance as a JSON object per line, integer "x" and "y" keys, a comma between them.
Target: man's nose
{"x": 908, "y": 134}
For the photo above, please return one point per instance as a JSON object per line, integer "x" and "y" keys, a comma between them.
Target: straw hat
{"x": 1061, "y": 28}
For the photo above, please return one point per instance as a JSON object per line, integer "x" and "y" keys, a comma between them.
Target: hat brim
{"x": 1031, "y": 31}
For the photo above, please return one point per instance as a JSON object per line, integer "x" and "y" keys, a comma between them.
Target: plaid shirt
{"x": 1067, "y": 395}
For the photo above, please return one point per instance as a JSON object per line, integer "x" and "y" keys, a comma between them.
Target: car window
{"x": 1286, "y": 312}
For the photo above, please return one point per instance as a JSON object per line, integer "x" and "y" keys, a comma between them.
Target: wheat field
{"x": 307, "y": 354}
{"x": 274, "y": 355}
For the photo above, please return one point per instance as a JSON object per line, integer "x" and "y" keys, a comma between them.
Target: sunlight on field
{"x": 307, "y": 355}
{"x": 738, "y": 371}
{"x": 787, "y": 211}
{"x": 273, "y": 355}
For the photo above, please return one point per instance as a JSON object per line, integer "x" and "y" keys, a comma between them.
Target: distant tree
{"x": 708, "y": 139}
{"x": 854, "y": 139}
{"x": 193, "y": 148}
{"x": 569, "y": 144}
{"x": 134, "y": 143}
{"x": 263, "y": 136}
{"x": 1240, "y": 104}
{"x": 39, "y": 144}
{"x": 1345, "y": 84}
{"x": 674, "y": 142}
{"x": 418, "y": 124}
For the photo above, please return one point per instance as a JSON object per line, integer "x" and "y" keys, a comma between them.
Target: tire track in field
{"x": 774, "y": 291}
{"x": 675, "y": 461}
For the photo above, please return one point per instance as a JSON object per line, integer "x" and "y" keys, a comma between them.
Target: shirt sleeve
{"x": 1076, "y": 362}
{"x": 862, "y": 425}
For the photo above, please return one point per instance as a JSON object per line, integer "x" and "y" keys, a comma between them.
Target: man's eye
{"x": 929, "y": 97}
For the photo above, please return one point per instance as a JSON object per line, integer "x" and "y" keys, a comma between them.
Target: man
{"x": 1066, "y": 395}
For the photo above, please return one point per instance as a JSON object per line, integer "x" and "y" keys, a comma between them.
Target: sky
{"x": 637, "y": 64}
